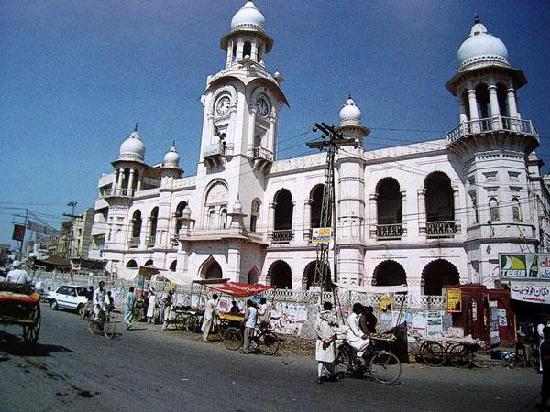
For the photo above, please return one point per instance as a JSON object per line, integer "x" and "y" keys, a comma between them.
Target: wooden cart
{"x": 20, "y": 305}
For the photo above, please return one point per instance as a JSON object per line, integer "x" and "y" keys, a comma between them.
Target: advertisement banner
{"x": 18, "y": 232}
{"x": 526, "y": 266}
{"x": 531, "y": 292}
{"x": 322, "y": 235}
{"x": 453, "y": 304}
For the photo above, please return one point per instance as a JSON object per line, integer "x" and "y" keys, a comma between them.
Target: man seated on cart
{"x": 17, "y": 275}
{"x": 99, "y": 302}
{"x": 355, "y": 336}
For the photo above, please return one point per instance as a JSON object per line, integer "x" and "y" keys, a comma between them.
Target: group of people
{"x": 156, "y": 306}
{"x": 361, "y": 323}
{"x": 100, "y": 301}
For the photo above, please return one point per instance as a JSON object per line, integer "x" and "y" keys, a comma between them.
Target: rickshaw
{"x": 20, "y": 305}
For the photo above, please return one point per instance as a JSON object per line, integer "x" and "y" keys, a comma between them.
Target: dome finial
{"x": 476, "y": 18}
{"x": 174, "y": 143}
{"x": 349, "y": 95}
{"x": 136, "y": 128}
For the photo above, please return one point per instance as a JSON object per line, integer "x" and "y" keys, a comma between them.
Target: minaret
{"x": 350, "y": 211}
{"x": 492, "y": 141}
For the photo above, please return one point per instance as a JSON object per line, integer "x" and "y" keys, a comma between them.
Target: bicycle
{"x": 105, "y": 324}
{"x": 383, "y": 366}
{"x": 459, "y": 354}
{"x": 264, "y": 341}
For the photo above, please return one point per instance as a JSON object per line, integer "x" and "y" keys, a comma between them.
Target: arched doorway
{"x": 211, "y": 269}
{"x": 280, "y": 274}
{"x": 131, "y": 264}
{"x": 437, "y": 274}
{"x": 253, "y": 276}
{"x": 389, "y": 273}
{"x": 309, "y": 277}
{"x": 282, "y": 225}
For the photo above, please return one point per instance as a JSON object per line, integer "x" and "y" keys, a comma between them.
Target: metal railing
{"x": 444, "y": 228}
{"x": 263, "y": 153}
{"x": 133, "y": 242}
{"x": 490, "y": 124}
{"x": 389, "y": 231}
{"x": 282, "y": 236}
{"x": 116, "y": 193}
{"x": 150, "y": 241}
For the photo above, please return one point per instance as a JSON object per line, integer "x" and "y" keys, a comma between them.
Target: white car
{"x": 68, "y": 297}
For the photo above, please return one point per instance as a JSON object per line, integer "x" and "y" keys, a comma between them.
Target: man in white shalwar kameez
{"x": 355, "y": 336}
{"x": 325, "y": 345}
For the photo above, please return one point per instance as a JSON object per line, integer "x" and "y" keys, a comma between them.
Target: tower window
{"x": 494, "y": 211}
{"x": 516, "y": 210}
{"x": 247, "y": 49}
{"x": 234, "y": 51}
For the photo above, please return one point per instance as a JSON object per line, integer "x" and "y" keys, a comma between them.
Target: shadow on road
{"x": 12, "y": 345}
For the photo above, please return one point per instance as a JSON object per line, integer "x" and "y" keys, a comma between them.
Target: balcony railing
{"x": 150, "y": 241}
{"x": 490, "y": 124}
{"x": 117, "y": 193}
{"x": 282, "y": 236}
{"x": 445, "y": 228}
{"x": 133, "y": 242}
{"x": 263, "y": 153}
{"x": 389, "y": 231}
{"x": 218, "y": 149}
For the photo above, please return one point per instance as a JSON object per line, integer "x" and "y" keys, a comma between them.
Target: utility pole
{"x": 72, "y": 204}
{"x": 329, "y": 142}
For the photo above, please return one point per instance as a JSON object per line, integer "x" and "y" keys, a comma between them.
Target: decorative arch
{"x": 438, "y": 274}
{"x": 211, "y": 269}
{"x": 280, "y": 275}
{"x": 226, "y": 90}
{"x": 131, "y": 264}
{"x": 149, "y": 263}
{"x": 216, "y": 193}
{"x": 439, "y": 197}
{"x": 389, "y": 202}
{"x": 173, "y": 265}
{"x": 254, "y": 214}
{"x": 309, "y": 277}
{"x": 389, "y": 273}
{"x": 178, "y": 215}
{"x": 253, "y": 276}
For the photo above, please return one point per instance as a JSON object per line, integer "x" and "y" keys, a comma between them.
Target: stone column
{"x": 472, "y": 102}
{"x": 307, "y": 220}
{"x": 373, "y": 214}
{"x": 462, "y": 109}
{"x": 271, "y": 135}
{"x": 229, "y": 54}
{"x": 131, "y": 182}
{"x": 404, "y": 210}
{"x": 512, "y": 103}
{"x": 139, "y": 177}
{"x": 173, "y": 225}
{"x": 495, "y": 109}
{"x": 240, "y": 45}
{"x": 120, "y": 179}
{"x": 251, "y": 126}
{"x": 254, "y": 51}
{"x": 271, "y": 219}
{"x": 422, "y": 210}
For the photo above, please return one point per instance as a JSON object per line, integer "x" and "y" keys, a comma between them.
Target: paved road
{"x": 151, "y": 370}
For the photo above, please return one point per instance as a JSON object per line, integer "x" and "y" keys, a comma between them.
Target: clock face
{"x": 263, "y": 107}
{"x": 222, "y": 105}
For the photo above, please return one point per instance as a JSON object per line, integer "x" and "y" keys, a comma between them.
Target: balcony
{"x": 215, "y": 153}
{"x": 492, "y": 124}
{"x": 262, "y": 153}
{"x": 445, "y": 228}
{"x": 150, "y": 241}
{"x": 282, "y": 236}
{"x": 109, "y": 193}
{"x": 133, "y": 242}
{"x": 389, "y": 231}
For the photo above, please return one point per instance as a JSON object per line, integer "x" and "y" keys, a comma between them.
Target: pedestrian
{"x": 99, "y": 301}
{"x": 325, "y": 345}
{"x": 209, "y": 313}
{"x": 367, "y": 320}
{"x": 355, "y": 337}
{"x": 263, "y": 314}
{"x": 17, "y": 275}
{"x": 540, "y": 333}
{"x": 151, "y": 306}
{"x": 129, "y": 308}
{"x": 250, "y": 318}
{"x": 545, "y": 360}
{"x": 109, "y": 302}
{"x": 167, "y": 302}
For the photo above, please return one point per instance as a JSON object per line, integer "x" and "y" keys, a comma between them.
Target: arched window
{"x": 173, "y": 265}
{"x": 247, "y": 49}
{"x": 389, "y": 273}
{"x": 494, "y": 211}
{"x": 280, "y": 274}
{"x": 215, "y": 202}
{"x": 153, "y": 221}
{"x": 223, "y": 218}
{"x": 178, "y": 216}
{"x": 437, "y": 275}
{"x": 516, "y": 210}
{"x": 316, "y": 206}
{"x": 283, "y": 217}
{"x": 389, "y": 208}
{"x": 131, "y": 264}
{"x": 211, "y": 218}
{"x": 136, "y": 224}
{"x": 234, "y": 51}
{"x": 254, "y": 213}
{"x": 440, "y": 207}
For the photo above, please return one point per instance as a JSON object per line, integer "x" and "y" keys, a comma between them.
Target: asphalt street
{"x": 147, "y": 369}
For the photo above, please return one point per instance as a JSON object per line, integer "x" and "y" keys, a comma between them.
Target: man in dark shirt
{"x": 545, "y": 358}
{"x": 367, "y": 321}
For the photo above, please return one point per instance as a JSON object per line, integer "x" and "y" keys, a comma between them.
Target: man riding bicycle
{"x": 99, "y": 303}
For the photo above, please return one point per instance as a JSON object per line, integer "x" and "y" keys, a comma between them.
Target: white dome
{"x": 249, "y": 17}
{"x": 132, "y": 148}
{"x": 172, "y": 158}
{"x": 350, "y": 113}
{"x": 480, "y": 48}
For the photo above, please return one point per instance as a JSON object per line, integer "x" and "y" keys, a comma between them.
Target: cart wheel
{"x": 460, "y": 356}
{"x": 269, "y": 343}
{"x": 31, "y": 333}
{"x": 53, "y": 304}
{"x": 192, "y": 323}
{"x": 432, "y": 353}
{"x": 221, "y": 327}
{"x": 179, "y": 321}
{"x": 109, "y": 329}
{"x": 233, "y": 338}
{"x": 385, "y": 367}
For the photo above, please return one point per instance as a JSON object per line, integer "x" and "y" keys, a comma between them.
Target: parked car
{"x": 68, "y": 297}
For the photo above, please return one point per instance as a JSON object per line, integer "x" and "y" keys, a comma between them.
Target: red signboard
{"x": 18, "y": 232}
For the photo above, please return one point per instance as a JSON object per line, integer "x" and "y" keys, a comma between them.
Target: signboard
{"x": 385, "y": 302}
{"x": 139, "y": 282}
{"x": 524, "y": 266}
{"x": 531, "y": 292}
{"x": 322, "y": 235}
{"x": 18, "y": 232}
{"x": 454, "y": 301}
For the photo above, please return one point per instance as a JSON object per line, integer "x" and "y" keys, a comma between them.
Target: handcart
{"x": 20, "y": 305}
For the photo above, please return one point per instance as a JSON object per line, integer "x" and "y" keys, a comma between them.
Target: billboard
{"x": 524, "y": 266}
{"x": 18, "y": 232}
{"x": 454, "y": 300}
{"x": 322, "y": 235}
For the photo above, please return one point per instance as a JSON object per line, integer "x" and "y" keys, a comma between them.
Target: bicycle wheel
{"x": 432, "y": 353}
{"x": 268, "y": 343}
{"x": 179, "y": 321}
{"x": 109, "y": 328}
{"x": 192, "y": 323}
{"x": 221, "y": 328}
{"x": 385, "y": 367}
{"x": 93, "y": 326}
{"x": 460, "y": 356}
{"x": 233, "y": 339}
{"x": 343, "y": 364}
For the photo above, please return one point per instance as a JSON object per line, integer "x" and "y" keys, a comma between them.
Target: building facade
{"x": 423, "y": 215}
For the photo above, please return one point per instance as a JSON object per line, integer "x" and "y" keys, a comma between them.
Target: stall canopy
{"x": 239, "y": 290}
{"x": 147, "y": 271}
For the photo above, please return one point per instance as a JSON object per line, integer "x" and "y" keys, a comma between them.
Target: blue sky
{"x": 77, "y": 75}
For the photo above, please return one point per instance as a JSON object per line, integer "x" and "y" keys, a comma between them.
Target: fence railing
{"x": 444, "y": 228}
{"x": 282, "y": 236}
{"x": 389, "y": 231}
